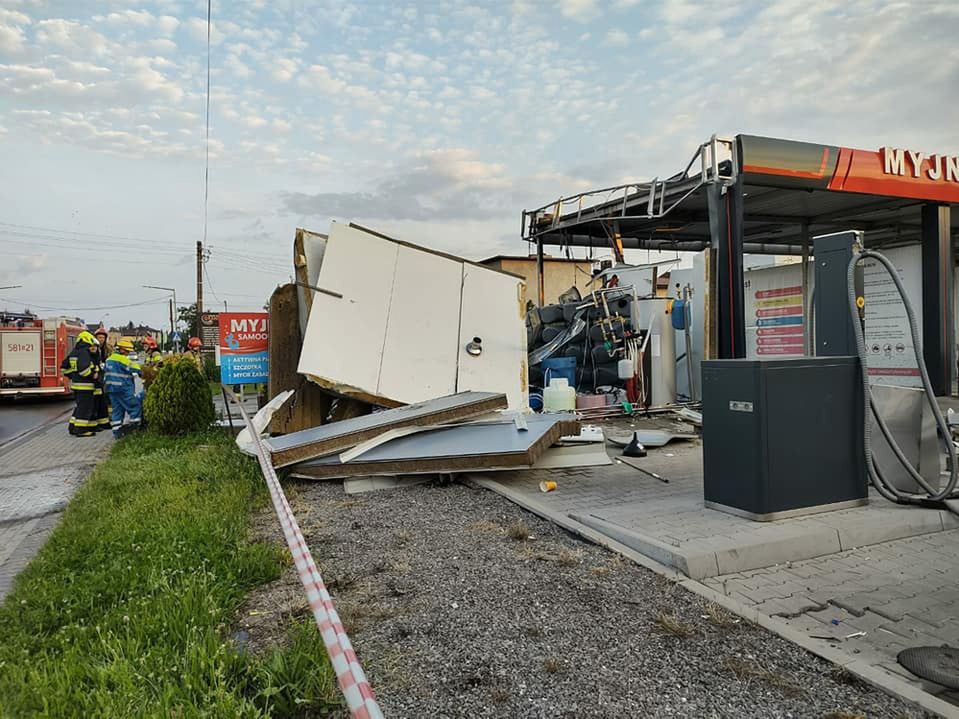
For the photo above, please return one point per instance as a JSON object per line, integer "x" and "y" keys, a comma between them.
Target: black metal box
{"x": 782, "y": 437}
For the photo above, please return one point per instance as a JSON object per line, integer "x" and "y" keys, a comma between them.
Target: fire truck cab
{"x": 31, "y": 351}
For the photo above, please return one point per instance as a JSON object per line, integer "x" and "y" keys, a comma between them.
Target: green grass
{"x": 126, "y": 611}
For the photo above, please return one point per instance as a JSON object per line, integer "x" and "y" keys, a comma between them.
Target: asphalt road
{"x": 20, "y": 416}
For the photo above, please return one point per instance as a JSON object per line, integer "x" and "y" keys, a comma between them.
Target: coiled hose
{"x": 887, "y": 490}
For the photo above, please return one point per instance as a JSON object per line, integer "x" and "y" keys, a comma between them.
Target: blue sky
{"x": 437, "y": 122}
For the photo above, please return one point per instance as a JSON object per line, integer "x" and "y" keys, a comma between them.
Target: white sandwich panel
{"x": 343, "y": 345}
{"x": 419, "y": 353}
{"x": 492, "y": 312}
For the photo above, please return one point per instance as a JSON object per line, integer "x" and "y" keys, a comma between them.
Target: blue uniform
{"x": 119, "y": 384}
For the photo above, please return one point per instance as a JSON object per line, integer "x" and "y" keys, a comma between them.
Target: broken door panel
{"x": 492, "y": 313}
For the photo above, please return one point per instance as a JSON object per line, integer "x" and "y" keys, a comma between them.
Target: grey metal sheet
{"x": 477, "y": 439}
{"x": 337, "y": 436}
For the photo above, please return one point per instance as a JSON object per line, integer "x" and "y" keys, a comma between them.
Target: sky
{"x": 435, "y": 122}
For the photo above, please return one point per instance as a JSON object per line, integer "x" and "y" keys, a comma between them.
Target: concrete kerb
{"x": 872, "y": 675}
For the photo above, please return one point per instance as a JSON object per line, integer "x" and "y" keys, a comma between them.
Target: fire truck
{"x": 31, "y": 351}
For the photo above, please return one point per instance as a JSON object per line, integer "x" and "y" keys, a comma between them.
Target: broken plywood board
{"x": 311, "y": 404}
{"x": 470, "y": 447}
{"x": 308, "y": 249}
{"x": 338, "y": 436}
{"x": 407, "y": 339}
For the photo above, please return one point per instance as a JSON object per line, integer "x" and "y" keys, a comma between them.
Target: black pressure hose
{"x": 887, "y": 490}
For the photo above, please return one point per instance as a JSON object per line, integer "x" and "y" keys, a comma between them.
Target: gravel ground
{"x": 461, "y": 604}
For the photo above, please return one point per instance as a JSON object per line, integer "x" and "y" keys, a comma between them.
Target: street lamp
{"x": 175, "y": 309}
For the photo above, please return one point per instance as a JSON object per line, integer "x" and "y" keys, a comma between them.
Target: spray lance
{"x": 933, "y": 496}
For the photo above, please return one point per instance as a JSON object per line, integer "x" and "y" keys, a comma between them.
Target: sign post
{"x": 210, "y": 331}
{"x": 243, "y": 343}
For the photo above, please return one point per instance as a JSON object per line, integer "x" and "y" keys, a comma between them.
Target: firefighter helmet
{"x": 87, "y": 338}
{"x": 194, "y": 343}
{"x": 125, "y": 344}
{"x": 101, "y": 330}
{"x": 149, "y": 342}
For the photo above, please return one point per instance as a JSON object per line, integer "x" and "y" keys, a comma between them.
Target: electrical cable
{"x": 209, "y": 283}
{"x": 206, "y": 173}
{"x": 14, "y": 300}
{"x": 886, "y": 489}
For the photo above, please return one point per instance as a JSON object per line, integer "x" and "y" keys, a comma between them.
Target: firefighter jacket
{"x": 81, "y": 367}
{"x": 120, "y": 371}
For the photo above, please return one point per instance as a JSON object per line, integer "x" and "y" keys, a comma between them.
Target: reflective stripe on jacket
{"x": 80, "y": 363}
{"x": 120, "y": 371}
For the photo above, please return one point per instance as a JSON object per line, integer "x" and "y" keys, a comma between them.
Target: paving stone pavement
{"x": 870, "y": 602}
{"x": 38, "y": 474}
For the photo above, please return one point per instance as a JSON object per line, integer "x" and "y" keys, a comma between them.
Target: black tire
{"x": 551, "y": 313}
{"x": 569, "y": 311}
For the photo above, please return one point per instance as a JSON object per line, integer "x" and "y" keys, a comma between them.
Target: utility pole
{"x": 199, "y": 282}
{"x": 172, "y": 328}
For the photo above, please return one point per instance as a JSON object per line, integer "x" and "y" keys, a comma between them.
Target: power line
{"x": 206, "y": 176}
{"x": 209, "y": 283}
{"x": 73, "y": 232}
{"x": 27, "y": 303}
{"x": 70, "y": 242}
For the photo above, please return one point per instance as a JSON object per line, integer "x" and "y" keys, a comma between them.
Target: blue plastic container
{"x": 559, "y": 367}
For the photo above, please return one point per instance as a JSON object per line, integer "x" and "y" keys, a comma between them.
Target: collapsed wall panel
{"x": 480, "y": 446}
{"x": 390, "y": 323}
{"x": 338, "y": 436}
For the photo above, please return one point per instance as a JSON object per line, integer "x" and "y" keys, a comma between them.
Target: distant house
{"x": 559, "y": 274}
{"x": 134, "y": 331}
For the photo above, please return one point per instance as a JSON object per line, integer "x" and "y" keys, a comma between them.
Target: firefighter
{"x": 151, "y": 353}
{"x": 100, "y": 399}
{"x": 81, "y": 368}
{"x": 193, "y": 352}
{"x": 121, "y": 387}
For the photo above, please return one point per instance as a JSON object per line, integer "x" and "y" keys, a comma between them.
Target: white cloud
{"x": 167, "y": 24}
{"x": 196, "y": 29}
{"x": 140, "y": 18}
{"x": 255, "y": 121}
{"x": 11, "y": 40}
{"x": 281, "y": 125}
{"x": 70, "y": 36}
{"x": 617, "y": 38}
{"x": 237, "y": 67}
{"x": 163, "y": 46}
{"x": 284, "y": 69}
{"x": 579, "y": 10}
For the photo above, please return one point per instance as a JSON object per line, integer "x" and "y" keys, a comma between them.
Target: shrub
{"x": 149, "y": 373}
{"x": 210, "y": 369}
{"x": 179, "y": 400}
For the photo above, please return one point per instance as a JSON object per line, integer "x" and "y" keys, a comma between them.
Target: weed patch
{"x": 126, "y": 611}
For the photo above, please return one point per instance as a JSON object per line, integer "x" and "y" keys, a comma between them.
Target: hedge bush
{"x": 179, "y": 401}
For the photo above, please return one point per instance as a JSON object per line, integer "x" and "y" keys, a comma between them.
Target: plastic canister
{"x": 624, "y": 368}
{"x": 560, "y": 367}
{"x": 559, "y": 396}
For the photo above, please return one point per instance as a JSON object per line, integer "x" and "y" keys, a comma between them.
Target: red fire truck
{"x": 31, "y": 351}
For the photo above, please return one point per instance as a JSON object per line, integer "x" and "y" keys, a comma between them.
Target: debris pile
{"x": 376, "y": 373}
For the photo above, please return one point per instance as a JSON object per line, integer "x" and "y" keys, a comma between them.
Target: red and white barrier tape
{"x": 359, "y": 696}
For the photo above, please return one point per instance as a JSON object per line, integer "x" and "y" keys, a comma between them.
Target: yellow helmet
{"x": 87, "y": 338}
{"x": 125, "y": 344}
